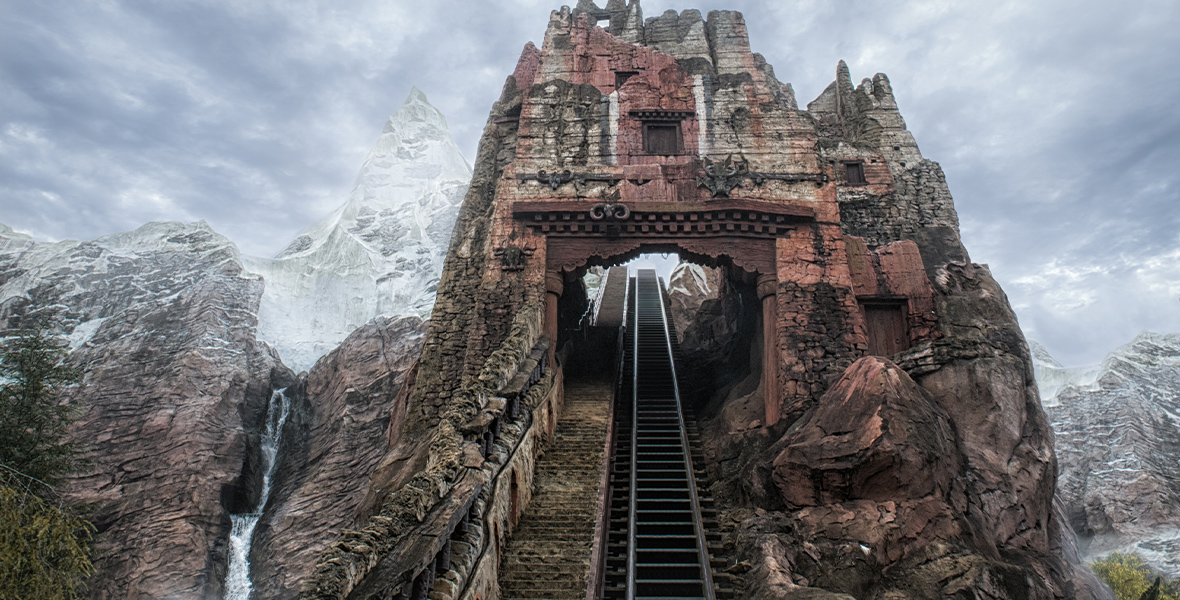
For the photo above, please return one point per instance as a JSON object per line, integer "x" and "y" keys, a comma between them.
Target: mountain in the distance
{"x": 175, "y": 333}
{"x": 380, "y": 253}
{"x": 161, "y": 322}
{"x": 1117, "y": 435}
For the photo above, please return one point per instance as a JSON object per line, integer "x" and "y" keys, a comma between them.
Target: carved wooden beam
{"x": 555, "y": 180}
{"x": 741, "y": 218}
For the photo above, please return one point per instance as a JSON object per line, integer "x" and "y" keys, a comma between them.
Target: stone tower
{"x": 894, "y": 446}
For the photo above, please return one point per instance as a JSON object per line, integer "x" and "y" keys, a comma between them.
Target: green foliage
{"x": 1130, "y": 578}
{"x": 44, "y": 548}
{"x": 33, "y": 422}
{"x": 44, "y": 544}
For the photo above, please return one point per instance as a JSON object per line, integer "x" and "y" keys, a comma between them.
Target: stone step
{"x": 548, "y": 554}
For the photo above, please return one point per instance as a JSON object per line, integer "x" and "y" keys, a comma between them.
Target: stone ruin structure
{"x": 871, "y": 428}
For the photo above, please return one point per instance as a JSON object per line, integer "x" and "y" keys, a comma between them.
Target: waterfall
{"x": 237, "y": 578}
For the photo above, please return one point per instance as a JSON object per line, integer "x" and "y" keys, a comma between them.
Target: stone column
{"x": 767, "y": 292}
{"x": 554, "y": 286}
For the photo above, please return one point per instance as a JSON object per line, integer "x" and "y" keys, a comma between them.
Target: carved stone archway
{"x": 743, "y": 232}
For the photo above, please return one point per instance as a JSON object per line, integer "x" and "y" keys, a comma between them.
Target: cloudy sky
{"x": 1054, "y": 120}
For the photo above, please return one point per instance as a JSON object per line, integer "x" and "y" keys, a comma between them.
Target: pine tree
{"x": 44, "y": 543}
{"x": 33, "y": 420}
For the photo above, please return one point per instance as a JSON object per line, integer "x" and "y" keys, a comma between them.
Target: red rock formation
{"x": 875, "y": 435}
{"x": 347, "y": 408}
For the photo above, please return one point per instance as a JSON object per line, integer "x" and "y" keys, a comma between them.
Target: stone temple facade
{"x": 880, "y": 435}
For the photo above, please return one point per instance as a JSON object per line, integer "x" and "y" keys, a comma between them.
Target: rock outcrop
{"x": 162, "y": 322}
{"x": 348, "y": 414}
{"x": 1118, "y": 447}
{"x": 689, "y": 287}
{"x": 878, "y": 503}
{"x": 875, "y": 435}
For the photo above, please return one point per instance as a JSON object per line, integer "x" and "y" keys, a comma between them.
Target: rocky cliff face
{"x": 177, "y": 334}
{"x": 1118, "y": 448}
{"x": 162, "y": 322}
{"x": 348, "y": 414}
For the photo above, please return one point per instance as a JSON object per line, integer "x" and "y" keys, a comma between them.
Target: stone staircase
{"x": 548, "y": 556}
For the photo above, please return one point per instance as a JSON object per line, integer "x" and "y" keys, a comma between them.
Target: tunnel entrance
{"x": 713, "y": 312}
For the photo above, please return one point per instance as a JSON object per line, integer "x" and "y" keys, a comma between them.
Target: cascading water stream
{"x": 237, "y": 578}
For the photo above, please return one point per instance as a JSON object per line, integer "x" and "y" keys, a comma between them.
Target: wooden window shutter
{"x": 854, "y": 172}
{"x": 661, "y": 138}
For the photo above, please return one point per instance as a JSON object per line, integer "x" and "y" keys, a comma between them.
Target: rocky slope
{"x": 348, "y": 413}
{"x": 1118, "y": 448}
{"x": 162, "y": 321}
{"x": 177, "y": 334}
{"x": 380, "y": 253}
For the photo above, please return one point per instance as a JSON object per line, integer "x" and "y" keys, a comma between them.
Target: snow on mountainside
{"x": 162, "y": 324}
{"x": 381, "y": 253}
{"x": 1053, "y": 376}
{"x": 1118, "y": 448}
{"x": 82, "y": 284}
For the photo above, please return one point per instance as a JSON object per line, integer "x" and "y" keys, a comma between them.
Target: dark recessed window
{"x": 661, "y": 138}
{"x": 621, "y": 77}
{"x": 854, "y": 172}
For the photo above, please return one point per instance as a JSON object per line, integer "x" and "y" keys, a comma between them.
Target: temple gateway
{"x": 848, "y": 412}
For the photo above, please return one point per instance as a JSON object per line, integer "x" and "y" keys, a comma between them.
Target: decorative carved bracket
{"x": 512, "y": 255}
{"x": 556, "y": 180}
{"x": 722, "y": 176}
{"x": 611, "y": 211}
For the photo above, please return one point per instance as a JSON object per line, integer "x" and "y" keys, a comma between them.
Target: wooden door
{"x": 887, "y": 329}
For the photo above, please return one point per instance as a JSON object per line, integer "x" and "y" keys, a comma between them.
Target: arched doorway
{"x": 749, "y": 255}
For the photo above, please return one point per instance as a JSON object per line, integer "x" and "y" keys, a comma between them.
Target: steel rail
{"x": 706, "y": 569}
{"x": 668, "y": 479}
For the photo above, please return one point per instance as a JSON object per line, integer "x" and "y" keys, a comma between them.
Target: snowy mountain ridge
{"x": 85, "y": 283}
{"x": 380, "y": 253}
{"x": 1117, "y": 436}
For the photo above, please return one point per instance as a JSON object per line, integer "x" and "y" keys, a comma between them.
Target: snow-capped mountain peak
{"x": 380, "y": 253}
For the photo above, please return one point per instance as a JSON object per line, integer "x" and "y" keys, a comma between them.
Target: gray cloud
{"x": 1053, "y": 121}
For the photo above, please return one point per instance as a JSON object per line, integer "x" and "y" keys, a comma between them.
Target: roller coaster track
{"x": 657, "y": 545}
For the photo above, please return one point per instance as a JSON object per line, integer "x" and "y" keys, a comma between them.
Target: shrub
{"x": 1131, "y": 579}
{"x": 44, "y": 548}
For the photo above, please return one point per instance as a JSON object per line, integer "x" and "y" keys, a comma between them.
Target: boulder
{"x": 875, "y": 435}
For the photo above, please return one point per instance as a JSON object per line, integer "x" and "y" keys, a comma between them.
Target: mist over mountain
{"x": 1117, "y": 429}
{"x": 380, "y": 253}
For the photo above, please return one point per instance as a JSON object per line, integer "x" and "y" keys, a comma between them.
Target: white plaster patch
{"x": 698, "y": 92}
{"x": 614, "y": 127}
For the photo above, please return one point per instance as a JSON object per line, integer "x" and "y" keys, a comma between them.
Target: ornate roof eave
{"x": 726, "y": 217}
